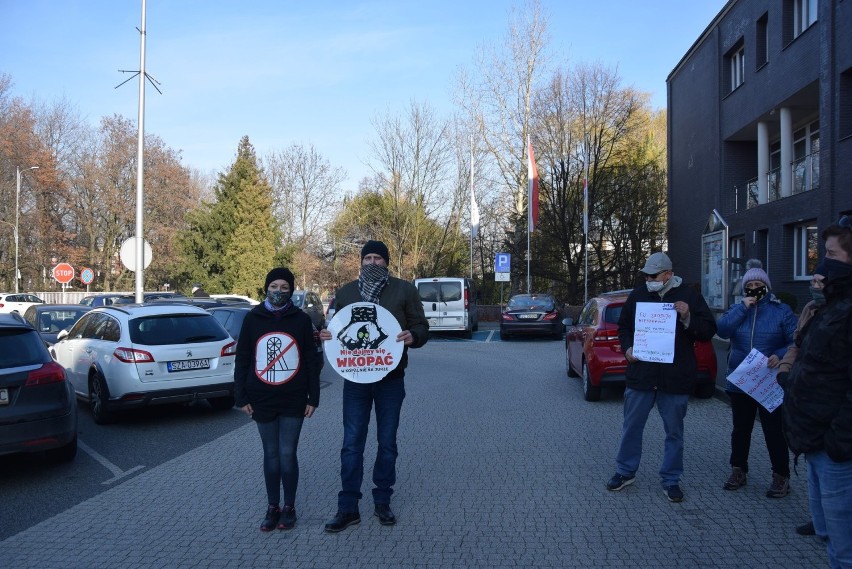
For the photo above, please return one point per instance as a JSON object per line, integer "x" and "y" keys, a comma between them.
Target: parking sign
{"x": 502, "y": 263}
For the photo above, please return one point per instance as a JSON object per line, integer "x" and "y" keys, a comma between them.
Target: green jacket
{"x": 401, "y": 299}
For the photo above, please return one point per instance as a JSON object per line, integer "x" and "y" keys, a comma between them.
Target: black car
{"x": 531, "y": 314}
{"x": 50, "y": 319}
{"x": 38, "y": 410}
{"x": 231, "y": 318}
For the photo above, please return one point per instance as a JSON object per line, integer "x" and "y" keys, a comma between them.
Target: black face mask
{"x": 758, "y": 293}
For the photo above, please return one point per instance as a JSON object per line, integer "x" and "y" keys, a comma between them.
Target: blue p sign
{"x": 503, "y": 263}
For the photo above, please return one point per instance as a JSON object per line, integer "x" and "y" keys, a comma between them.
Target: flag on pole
{"x": 532, "y": 177}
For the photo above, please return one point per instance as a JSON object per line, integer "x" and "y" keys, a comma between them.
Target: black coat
{"x": 680, "y": 376}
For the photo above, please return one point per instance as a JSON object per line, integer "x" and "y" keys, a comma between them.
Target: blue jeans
{"x": 358, "y": 400}
{"x": 280, "y": 440}
{"x": 637, "y": 407}
{"x": 830, "y": 495}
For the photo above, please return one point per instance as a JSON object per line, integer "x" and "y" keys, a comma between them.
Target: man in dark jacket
{"x": 198, "y": 291}
{"x": 818, "y": 398}
{"x": 668, "y": 385}
{"x": 401, "y": 299}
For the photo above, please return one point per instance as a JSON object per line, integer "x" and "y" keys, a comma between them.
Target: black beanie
{"x": 377, "y": 248}
{"x": 279, "y": 273}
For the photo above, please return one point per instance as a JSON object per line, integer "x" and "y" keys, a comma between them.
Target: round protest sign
{"x": 276, "y": 358}
{"x": 363, "y": 346}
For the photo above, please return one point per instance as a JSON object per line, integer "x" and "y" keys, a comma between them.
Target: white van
{"x": 449, "y": 304}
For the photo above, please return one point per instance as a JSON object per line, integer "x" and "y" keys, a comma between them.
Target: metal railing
{"x": 805, "y": 173}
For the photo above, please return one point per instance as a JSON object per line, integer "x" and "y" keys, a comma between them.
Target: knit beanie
{"x": 755, "y": 272}
{"x": 376, "y": 248}
{"x": 279, "y": 273}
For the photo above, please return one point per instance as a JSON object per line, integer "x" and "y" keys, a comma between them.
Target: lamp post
{"x": 17, "y": 216}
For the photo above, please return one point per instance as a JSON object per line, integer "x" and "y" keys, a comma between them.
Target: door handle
{"x": 434, "y": 307}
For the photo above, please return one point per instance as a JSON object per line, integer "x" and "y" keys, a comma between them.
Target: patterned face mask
{"x": 758, "y": 293}
{"x": 278, "y": 297}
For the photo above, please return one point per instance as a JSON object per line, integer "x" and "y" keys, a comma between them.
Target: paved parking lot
{"x": 502, "y": 464}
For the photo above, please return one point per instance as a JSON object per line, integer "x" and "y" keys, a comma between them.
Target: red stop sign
{"x": 63, "y": 273}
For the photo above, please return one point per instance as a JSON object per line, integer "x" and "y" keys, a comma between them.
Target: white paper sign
{"x": 654, "y": 332}
{"x": 363, "y": 346}
{"x": 755, "y": 378}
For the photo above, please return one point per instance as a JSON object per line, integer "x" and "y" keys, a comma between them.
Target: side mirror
{"x": 568, "y": 321}
{"x": 62, "y": 335}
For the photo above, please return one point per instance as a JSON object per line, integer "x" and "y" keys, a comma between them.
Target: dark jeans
{"x": 358, "y": 401}
{"x": 280, "y": 439}
{"x": 744, "y": 410}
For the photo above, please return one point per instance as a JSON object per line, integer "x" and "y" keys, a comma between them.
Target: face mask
{"x": 373, "y": 273}
{"x": 817, "y": 295}
{"x": 654, "y": 286}
{"x": 278, "y": 297}
{"x": 832, "y": 269}
{"x": 758, "y": 293}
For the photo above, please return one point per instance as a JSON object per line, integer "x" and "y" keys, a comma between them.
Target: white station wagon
{"x": 127, "y": 356}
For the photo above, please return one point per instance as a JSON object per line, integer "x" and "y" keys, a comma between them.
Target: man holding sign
{"x": 657, "y": 342}
{"x": 400, "y": 298}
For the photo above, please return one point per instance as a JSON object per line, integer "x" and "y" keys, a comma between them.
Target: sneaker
{"x": 780, "y": 486}
{"x": 619, "y": 481}
{"x": 806, "y": 529}
{"x": 736, "y": 480}
{"x": 271, "y": 520}
{"x": 674, "y": 493}
{"x": 288, "y": 518}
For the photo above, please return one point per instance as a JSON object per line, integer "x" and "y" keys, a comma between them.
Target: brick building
{"x": 760, "y": 143}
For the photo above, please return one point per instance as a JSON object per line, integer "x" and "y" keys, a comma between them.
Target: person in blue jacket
{"x": 764, "y": 323}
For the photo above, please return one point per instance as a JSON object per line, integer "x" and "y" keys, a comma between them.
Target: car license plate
{"x": 528, "y": 316}
{"x": 4, "y": 396}
{"x": 185, "y": 365}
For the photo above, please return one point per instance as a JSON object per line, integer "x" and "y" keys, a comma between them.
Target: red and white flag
{"x": 532, "y": 177}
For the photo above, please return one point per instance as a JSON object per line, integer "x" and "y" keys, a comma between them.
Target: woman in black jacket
{"x": 276, "y": 383}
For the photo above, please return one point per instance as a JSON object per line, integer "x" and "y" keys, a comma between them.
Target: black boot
{"x": 341, "y": 521}
{"x": 273, "y": 512}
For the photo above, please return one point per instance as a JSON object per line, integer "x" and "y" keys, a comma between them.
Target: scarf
{"x": 371, "y": 281}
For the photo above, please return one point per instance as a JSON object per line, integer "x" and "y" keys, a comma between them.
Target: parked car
{"x": 449, "y": 304}
{"x": 231, "y": 318}
{"x": 17, "y": 302}
{"x": 311, "y": 304}
{"x": 531, "y": 314}
{"x": 234, "y": 298}
{"x": 121, "y": 357}
{"x": 110, "y": 298}
{"x": 50, "y": 319}
{"x": 593, "y": 352}
{"x": 200, "y": 301}
{"x": 38, "y": 410}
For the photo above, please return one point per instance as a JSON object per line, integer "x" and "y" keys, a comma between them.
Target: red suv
{"x": 593, "y": 352}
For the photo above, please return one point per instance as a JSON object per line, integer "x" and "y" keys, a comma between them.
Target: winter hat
{"x": 657, "y": 263}
{"x": 755, "y": 272}
{"x": 279, "y": 273}
{"x": 377, "y": 248}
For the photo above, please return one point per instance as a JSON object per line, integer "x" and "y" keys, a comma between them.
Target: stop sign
{"x": 63, "y": 273}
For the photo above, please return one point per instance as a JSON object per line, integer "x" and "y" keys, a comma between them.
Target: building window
{"x": 806, "y": 158}
{"x": 845, "y": 126}
{"x": 737, "y": 65}
{"x": 761, "y": 43}
{"x": 804, "y": 15}
{"x": 805, "y": 250}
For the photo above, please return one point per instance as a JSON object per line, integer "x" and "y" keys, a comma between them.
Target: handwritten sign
{"x": 363, "y": 348}
{"x": 654, "y": 332}
{"x": 755, "y": 378}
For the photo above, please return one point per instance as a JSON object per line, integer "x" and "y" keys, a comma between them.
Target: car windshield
{"x": 55, "y": 319}
{"x": 20, "y": 347}
{"x": 612, "y": 314}
{"x": 175, "y": 329}
{"x": 531, "y": 303}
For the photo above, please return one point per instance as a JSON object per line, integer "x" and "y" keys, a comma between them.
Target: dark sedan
{"x": 38, "y": 410}
{"x": 531, "y": 314}
{"x": 50, "y": 319}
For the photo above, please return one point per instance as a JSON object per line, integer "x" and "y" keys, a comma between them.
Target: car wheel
{"x": 503, "y": 336}
{"x": 569, "y": 369}
{"x": 468, "y": 334}
{"x": 99, "y": 399}
{"x": 590, "y": 392}
{"x": 221, "y": 403}
{"x": 476, "y": 327}
{"x": 63, "y": 453}
{"x": 705, "y": 390}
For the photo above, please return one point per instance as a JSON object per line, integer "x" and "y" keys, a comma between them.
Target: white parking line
{"x": 117, "y": 473}
{"x": 490, "y": 335}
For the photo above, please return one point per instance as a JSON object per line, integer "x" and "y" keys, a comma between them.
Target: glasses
{"x": 655, "y": 275}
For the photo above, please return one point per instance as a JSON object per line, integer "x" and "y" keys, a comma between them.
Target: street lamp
{"x": 17, "y": 216}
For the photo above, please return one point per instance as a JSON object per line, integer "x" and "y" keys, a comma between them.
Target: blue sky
{"x": 317, "y": 72}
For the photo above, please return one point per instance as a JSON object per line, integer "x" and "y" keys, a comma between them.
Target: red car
{"x": 593, "y": 352}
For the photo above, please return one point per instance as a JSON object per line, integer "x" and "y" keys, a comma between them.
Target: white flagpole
{"x": 529, "y": 211}
{"x": 472, "y": 206}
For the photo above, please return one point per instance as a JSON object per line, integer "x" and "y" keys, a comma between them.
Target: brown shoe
{"x": 736, "y": 480}
{"x": 780, "y": 486}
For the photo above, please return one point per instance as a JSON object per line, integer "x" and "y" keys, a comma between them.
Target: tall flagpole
{"x": 472, "y": 206}
{"x": 529, "y": 210}
{"x": 587, "y": 159}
